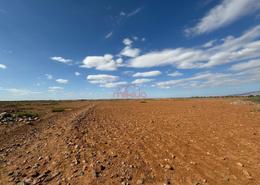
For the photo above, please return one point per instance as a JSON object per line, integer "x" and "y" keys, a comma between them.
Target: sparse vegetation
{"x": 143, "y": 101}
{"x": 26, "y": 114}
{"x": 254, "y": 99}
{"x": 58, "y": 109}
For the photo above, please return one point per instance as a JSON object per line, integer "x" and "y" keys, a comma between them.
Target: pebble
{"x": 247, "y": 174}
{"x": 168, "y": 167}
{"x": 240, "y": 164}
{"x": 140, "y": 181}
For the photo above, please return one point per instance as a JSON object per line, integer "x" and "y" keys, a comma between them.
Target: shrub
{"x": 26, "y": 114}
{"x": 255, "y": 99}
{"x": 58, "y": 109}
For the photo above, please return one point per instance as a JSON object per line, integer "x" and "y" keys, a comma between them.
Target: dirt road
{"x": 183, "y": 141}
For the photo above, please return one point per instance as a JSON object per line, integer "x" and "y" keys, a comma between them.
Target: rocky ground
{"x": 182, "y": 141}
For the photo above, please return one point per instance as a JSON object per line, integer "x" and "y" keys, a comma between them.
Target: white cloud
{"x": 2, "y": 66}
{"x": 135, "y": 38}
{"x": 147, "y": 74}
{"x": 227, "y": 50}
{"x": 61, "y": 59}
{"x": 142, "y": 81}
{"x": 104, "y": 80}
{"x": 181, "y": 57}
{"x": 122, "y": 13}
{"x": 55, "y": 89}
{"x": 253, "y": 64}
{"x": 105, "y": 63}
{"x": 49, "y": 76}
{"x": 136, "y": 11}
{"x": 224, "y": 14}
{"x": 207, "y": 79}
{"x": 108, "y": 35}
{"x": 19, "y": 92}
{"x": 62, "y": 81}
{"x": 128, "y": 51}
{"x": 209, "y": 44}
{"x": 175, "y": 74}
{"x": 113, "y": 84}
{"x": 101, "y": 78}
{"x": 77, "y": 73}
{"x": 127, "y": 42}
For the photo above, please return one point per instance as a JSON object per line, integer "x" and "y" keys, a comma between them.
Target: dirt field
{"x": 177, "y": 141}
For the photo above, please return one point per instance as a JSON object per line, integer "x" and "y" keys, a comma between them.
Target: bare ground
{"x": 183, "y": 141}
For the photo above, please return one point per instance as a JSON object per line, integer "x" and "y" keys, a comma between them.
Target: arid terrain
{"x": 211, "y": 141}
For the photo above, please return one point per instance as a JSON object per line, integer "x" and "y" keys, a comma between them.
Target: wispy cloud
{"x": 134, "y": 12}
{"x": 224, "y": 14}
{"x": 140, "y": 81}
{"x": 108, "y": 35}
{"x": 62, "y": 81}
{"x": 77, "y": 73}
{"x": 252, "y": 64}
{"x": 49, "y": 76}
{"x": 55, "y": 89}
{"x": 207, "y": 79}
{"x": 175, "y": 74}
{"x": 19, "y": 92}
{"x": 227, "y": 50}
{"x": 61, "y": 60}
{"x": 2, "y": 66}
{"x": 105, "y": 80}
{"x": 147, "y": 74}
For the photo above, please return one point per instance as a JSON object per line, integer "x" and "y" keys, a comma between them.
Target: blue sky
{"x": 66, "y": 49}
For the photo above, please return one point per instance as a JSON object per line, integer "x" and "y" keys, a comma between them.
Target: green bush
{"x": 58, "y": 109}
{"x": 26, "y": 114}
{"x": 255, "y": 99}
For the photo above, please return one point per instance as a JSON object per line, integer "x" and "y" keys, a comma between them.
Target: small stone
{"x": 204, "y": 181}
{"x": 247, "y": 174}
{"x": 168, "y": 167}
{"x": 35, "y": 166}
{"x": 168, "y": 182}
{"x": 35, "y": 174}
{"x": 11, "y": 173}
{"x": 226, "y": 178}
{"x": 240, "y": 164}
{"x": 140, "y": 181}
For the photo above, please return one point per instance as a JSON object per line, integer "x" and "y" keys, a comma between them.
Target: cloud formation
{"x": 61, "y": 60}
{"x": 128, "y": 50}
{"x": 227, "y": 50}
{"x": 147, "y": 74}
{"x": 252, "y": 64}
{"x": 19, "y": 92}
{"x": 49, "y": 76}
{"x": 77, "y": 73}
{"x": 62, "y": 81}
{"x": 140, "y": 81}
{"x": 175, "y": 74}
{"x": 105, "y": 80}
{"x": 104, "y": 63}
{"x": 224, "y": 14}
{"x": 2, "y": 66}
{"x": 108, "y": 35}
{"x": 208, "y": 79}
{"x": 55, "y": 89}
